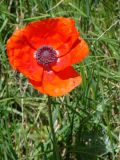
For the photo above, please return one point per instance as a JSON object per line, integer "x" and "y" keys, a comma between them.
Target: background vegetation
{"x": 86, "y": 121}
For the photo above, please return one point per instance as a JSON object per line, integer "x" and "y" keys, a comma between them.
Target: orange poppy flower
{"x": 44, "y": 51}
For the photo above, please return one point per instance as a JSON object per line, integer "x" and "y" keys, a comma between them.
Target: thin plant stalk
{"x": 55, "y": 146}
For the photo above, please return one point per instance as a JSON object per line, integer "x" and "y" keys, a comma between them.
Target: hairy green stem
{"x": 55, "y": 147}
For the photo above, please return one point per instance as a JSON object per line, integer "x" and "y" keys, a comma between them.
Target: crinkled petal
{"x": 78, "y": 52}
{"x": 58, "y": 84}
{"x": 61, "y": 63}
{"x": 21, "y": 56}
{"x": 68, "y": 44}
{"x": 55, "y": 32}
{"x": 38, "y": 85}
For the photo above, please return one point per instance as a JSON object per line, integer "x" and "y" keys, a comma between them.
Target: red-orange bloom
{"x": 44, "y": 52}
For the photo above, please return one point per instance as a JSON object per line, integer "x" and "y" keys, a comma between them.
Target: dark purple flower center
{"x": 46, "y": 55}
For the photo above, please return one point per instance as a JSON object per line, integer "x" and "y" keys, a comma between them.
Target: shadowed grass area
{"x": 86, "y": 121}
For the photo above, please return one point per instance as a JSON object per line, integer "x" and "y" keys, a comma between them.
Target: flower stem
{"x": 55, "y": 147}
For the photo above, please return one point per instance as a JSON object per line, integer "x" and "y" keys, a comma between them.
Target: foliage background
{"x": 86, "y": 121}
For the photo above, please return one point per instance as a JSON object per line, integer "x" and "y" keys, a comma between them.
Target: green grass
{"x": 86, "y": 121}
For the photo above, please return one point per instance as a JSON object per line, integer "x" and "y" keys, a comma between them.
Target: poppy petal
{"x": 52, "y": 31}
{"x": 61, "y": 63}
{"x": 58, "y": 84}
{"x": 66, "y": 47}
{"x": 78, "y": 52}
{"x": 37, "y": 85}
{"x": 21, "y": 56}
